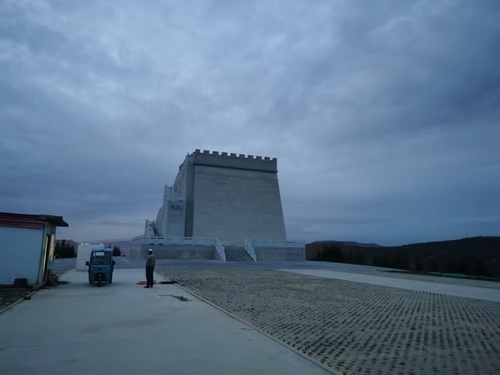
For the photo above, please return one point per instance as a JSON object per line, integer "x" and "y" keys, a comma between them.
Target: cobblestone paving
{"x": 358, "y": 328}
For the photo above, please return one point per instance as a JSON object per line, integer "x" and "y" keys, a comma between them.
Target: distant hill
{"x": 478, "y": 256}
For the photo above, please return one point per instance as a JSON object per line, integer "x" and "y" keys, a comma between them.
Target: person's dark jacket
{"x": 150, "y": 261}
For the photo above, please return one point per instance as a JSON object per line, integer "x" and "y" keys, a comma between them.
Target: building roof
{"x": 9, "y": 219}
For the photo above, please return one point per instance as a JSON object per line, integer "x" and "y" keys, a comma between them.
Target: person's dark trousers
{"x": 149, "y": 277}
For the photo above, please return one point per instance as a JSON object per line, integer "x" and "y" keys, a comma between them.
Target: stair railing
{"x": 250, "y": 250}
{"x": 220, "y": 250}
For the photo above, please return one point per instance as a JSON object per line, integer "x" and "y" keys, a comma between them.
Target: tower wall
{"x": 171, "y": 218}
{"x": 233, "y": 197}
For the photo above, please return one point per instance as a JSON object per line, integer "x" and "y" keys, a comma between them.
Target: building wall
{"x": 176, "y": 218}
{"x": 161, "y": 221}
{"x": 233, "y": 203}
{"x": 179, "y": 252}
{"x": 181, "y": 180}
{"x": 21, "y": 251}
{"x": 171, "y": 219}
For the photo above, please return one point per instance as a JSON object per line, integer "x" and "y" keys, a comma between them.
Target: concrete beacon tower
{"x": 231, "y": 199}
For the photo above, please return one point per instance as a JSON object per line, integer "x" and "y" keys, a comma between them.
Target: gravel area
{"x": 358, "y": 328}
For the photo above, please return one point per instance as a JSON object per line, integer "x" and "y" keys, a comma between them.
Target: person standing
{"x": 150, "y": 267}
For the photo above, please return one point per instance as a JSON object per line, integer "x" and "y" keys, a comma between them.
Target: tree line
{"x": 66, "y": 249}
{"x": 477, "y": 256}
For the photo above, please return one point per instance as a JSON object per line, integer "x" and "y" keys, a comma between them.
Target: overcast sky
{"x": 384, "y": 115}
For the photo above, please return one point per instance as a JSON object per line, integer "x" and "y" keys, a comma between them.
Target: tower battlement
{"x": 231, "y": 160}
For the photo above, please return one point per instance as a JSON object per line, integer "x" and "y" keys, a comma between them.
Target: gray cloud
{"x": 384, "y": 116}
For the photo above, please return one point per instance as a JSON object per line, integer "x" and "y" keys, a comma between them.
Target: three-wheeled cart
{"x": 101, "y": 266}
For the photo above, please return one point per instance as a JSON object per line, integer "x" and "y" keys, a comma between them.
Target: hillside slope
{"x": 472, "y": 256}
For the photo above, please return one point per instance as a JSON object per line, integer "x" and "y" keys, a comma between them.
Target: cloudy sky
{"x": 384, "y": 115}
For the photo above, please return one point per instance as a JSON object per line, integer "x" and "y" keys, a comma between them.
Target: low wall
{"x": 270, "y": 254}
{"x": 197, "y": 252}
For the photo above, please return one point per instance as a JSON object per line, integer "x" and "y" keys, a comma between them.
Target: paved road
{"x": 123, "y": 328}
{"x": 354, "y": 319}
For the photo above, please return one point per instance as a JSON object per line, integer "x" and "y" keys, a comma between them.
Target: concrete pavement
{"x": 486, "y": 294}
{"x": 123, "y": 328}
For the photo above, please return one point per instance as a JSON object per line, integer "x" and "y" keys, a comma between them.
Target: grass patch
{"x": 448, "y": 275}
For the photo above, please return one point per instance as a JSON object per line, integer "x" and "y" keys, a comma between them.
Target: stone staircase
{"x": 237, "y": 254}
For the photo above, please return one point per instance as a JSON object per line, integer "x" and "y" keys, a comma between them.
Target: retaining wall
{"x": 198, "y": 252}
{"x": 267, "y": 254}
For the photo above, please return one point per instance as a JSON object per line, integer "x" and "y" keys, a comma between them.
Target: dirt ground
{"x": 8, "y": 297}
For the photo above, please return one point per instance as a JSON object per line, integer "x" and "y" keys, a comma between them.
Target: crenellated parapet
{"x": 238, "y": 161}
